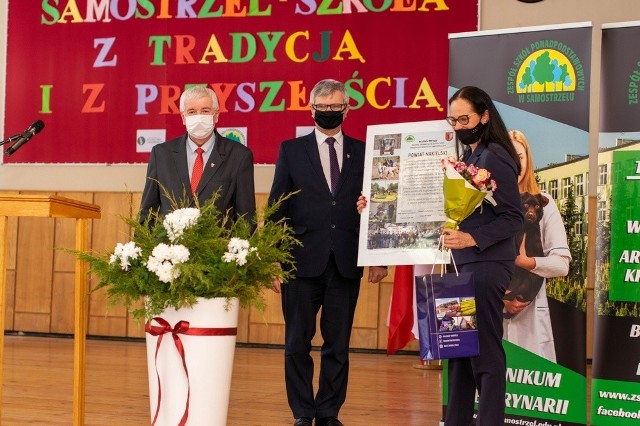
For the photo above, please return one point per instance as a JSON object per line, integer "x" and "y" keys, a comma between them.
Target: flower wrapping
{"x": 465, "y": 188}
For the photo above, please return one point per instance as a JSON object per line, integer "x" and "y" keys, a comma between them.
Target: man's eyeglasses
{"x": 463, "y": 119}
{"x": 329, "y": 107}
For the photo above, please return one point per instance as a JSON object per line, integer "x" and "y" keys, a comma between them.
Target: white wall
{"x": 495, "y": 14}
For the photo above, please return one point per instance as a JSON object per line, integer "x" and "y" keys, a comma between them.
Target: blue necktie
{"x": 334, "y": 166}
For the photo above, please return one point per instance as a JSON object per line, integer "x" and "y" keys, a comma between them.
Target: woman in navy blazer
{"x": 485, "y": 245}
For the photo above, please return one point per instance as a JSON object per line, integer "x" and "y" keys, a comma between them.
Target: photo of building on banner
{"x": 403, "y": 185}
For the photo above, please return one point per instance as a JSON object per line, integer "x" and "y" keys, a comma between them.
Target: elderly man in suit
{"x": 327, "y": 167}
{"x": 200, "y": 163}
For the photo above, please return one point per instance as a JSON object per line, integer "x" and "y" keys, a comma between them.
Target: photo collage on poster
{"x": 385, "y": 231}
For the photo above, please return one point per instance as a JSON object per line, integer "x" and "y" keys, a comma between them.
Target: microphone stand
{"x": 9, "y": 139}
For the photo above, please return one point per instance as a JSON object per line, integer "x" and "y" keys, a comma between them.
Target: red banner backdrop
{"x": 100, "y": 72}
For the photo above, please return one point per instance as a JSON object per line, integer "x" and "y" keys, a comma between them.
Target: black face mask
{"x": 469, "y": 136}
{"x": 328, "y": 120}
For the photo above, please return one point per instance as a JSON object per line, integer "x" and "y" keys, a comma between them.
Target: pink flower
{"x": 480, "y": 177}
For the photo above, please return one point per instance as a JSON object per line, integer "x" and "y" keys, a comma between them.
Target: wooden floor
{"x": 38, "y": 380}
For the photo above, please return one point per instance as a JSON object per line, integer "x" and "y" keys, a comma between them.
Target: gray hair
{"x": 326, "y": 88}
{"x": 197, "y": 92}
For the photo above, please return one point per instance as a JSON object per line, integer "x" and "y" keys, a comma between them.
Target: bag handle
{"x": 441, "y": 248}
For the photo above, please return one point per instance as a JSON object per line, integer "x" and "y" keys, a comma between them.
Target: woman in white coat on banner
{"x": 527, "y": 320}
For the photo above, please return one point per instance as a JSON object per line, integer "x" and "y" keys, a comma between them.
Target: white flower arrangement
{"x": 164, "y": 258}
{"x": 178, "y": 220}
{"x": 124, "y": 252}
{"x": 238, "y": 250}
{"x": 189, "y": 253}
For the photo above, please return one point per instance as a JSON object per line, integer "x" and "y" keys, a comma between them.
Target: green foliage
{"x": 603, "y": 235}
{"x": 568, "y": 291}
{"x": 603, "y": 305}
{"x": 572, "y": 214}
{"x": 205, "y": 273}
{"x": 571, "y": 289}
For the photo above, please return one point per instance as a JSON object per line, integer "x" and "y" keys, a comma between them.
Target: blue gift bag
{"x": 446, "y": 315}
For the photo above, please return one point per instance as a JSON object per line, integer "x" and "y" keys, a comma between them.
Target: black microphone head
{"x": 37, "y": 126}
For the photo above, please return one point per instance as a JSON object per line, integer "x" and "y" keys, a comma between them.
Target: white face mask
{"x": 199, "y": 126}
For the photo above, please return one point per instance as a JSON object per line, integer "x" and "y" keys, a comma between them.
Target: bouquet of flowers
{"x": 465, "y": 188}
{"x": 195, "y": 252}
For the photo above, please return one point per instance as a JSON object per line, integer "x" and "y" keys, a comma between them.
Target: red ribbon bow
{"x": 181, "y": 327}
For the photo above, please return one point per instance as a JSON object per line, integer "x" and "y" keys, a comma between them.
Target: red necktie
{"x": 334, "y": 167}
{"x": 196, "y": 173}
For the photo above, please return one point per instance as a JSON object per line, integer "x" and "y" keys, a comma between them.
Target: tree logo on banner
{"x": 237, "y": 134}
{"x": 546, "y": 71}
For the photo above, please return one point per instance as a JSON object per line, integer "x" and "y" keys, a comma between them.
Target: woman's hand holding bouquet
{"x": 465, "y": 187}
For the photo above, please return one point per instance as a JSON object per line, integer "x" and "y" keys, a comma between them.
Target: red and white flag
{"x": 401, "y": 310}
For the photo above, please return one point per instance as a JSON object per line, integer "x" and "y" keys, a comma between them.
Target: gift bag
{"x": 446, "y": 315}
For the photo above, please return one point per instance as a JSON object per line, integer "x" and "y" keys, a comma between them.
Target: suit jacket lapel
{"x": 474, "y": 157}
{"x": 347, "y": 155}
{"x": 213, "y": 163}
{"x": 311, "y": 146}
{"x": 180, "y": 161}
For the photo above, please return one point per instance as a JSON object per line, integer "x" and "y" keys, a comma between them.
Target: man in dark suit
{"x": 200, "y": 164}
{"x": 327, "y": 167}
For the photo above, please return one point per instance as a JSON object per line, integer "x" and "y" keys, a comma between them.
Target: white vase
{"x": 193, "y": 390}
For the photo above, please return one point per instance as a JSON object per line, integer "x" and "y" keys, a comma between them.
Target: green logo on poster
{"x": 546, "y": 71}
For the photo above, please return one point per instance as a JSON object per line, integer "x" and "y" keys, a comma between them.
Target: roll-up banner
{"x": 615, "y": 385}
{"x": 539, "y": 79}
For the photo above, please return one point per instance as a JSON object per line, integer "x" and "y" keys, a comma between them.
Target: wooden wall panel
{"x": 243, "y": 326}
{"x": 365, "y": 323}
{"x": 135, "y": 327}
{"x": 12, "y": 242}
{"x": 9, "y": 311}
{"x": 62, "y": 301}
{"x": 366, "y": 315}
{"x": 110, "y": 229}
{"x": 104, "y": 325}
{"x": 34, "y": 322}
{"x": 45, "y": 296}
{"x": 267, "y": 327}
{"x": 34, "y": 273}
{"x": 65, "y": 235}
{"x": 12, "y": 246}
{"x": 385, "y": 295}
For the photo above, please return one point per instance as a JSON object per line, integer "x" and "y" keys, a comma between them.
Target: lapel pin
{"x": 213, "y": 165}
{"x": 348, "y": 156}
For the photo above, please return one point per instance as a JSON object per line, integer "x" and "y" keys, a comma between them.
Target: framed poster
{"x": 403, "y": 185}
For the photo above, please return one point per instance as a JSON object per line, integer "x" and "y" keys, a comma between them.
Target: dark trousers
{"x": 486, "y": 372}
{"x": 301, "y": 301}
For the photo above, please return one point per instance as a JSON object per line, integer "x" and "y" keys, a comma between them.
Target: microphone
{"x": 35, "y": 128}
